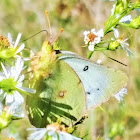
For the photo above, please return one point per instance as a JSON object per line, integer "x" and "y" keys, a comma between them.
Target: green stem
{"x": 96, "y": 49}
{"x": 101, "y": 49}
{"x": 116, "y": 21}
{"x": 90, "y": 54}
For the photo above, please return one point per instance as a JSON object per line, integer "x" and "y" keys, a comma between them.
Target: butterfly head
{"x": 44, "y": 60}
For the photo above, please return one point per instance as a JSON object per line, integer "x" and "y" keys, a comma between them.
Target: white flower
{"x": 126, "y": 19}
{"x": 15, "y": 110}
{"x": 15, "y": 44}
{"x": 91, "y": 38}
{"x": 122, "y": 42}
{"x": 119, "y": 96}
{"x": 56, "y": 135}
{"x": 11, "y": 83}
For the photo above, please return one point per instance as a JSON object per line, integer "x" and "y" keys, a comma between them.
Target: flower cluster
{"x": 9, "y": 49}
{"x": 92, "y": 38}
{"x": 52, "y": 132}
{"x": 119, "y": 16}
{"x": 11, "y": 80}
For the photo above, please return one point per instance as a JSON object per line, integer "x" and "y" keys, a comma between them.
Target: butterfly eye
{"x": 85, "y": 68}
{"x": 57, "y": 52}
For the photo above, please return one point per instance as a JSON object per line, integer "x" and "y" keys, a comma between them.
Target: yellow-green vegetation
{"x": 112, "y": 120}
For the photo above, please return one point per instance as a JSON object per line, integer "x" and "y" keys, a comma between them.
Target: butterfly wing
{"x": 99, "y": 82}
{"x": 59, "y": 96}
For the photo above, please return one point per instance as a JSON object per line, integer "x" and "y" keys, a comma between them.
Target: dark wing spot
{"x": 88, "y": 93}
{"x": 85, "y": 68}
{"x": 61, "y": 94}
{"x": 57, "y": 51}
{"x": 98, "y": 89}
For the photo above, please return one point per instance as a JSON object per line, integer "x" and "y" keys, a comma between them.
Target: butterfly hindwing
{"x": 61, "y": 98}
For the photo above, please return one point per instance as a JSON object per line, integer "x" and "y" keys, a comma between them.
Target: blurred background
{"x": 118, "y": 121}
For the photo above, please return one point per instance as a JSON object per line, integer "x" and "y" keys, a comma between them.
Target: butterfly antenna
{"x": 34, "y": 35}
{"x": 114, "y": 59}
{"x": 117, "y": 61}
{"x": 49, "y": 24}
{"x": 61, "y": 30}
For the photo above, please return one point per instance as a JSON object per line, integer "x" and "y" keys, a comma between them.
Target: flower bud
{"x": 125, "y": 3}
{"x": 113, "y": 45}
{"x": 5, "y": 119}
{"x": 119, "y": 8}
{"x": 135, "y": 23}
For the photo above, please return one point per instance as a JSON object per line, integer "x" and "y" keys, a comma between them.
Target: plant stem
{"x": 90, "y": 54}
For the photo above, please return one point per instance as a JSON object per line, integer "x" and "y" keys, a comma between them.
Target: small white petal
{"x": 9, "y": 99}
{"x": 5, "y": 71}
{"x": 38, "y": 134}
{"x": 86, "y": 33}
{"x": 21, "y": 78}
{"x": 126, "y": 19}
{"x": 86, "y": 42}
{"x": 18, "y": 68}
{"x": 119, "y": 96}
{"x": 1, "y": 76}
{"x": 125, "y": 39}
{"x": 17, "y": 40}
{"x": 2, "y": 95}
{"x": 18, "y": 97}
{"x": 97, "y": 40}
{"x": 100, "y": 33}
{"x": 116, "y": 32}
{"x": 20, "y": 48}
{"x": 1, "y": 92}
{"x": 10, "y": 38}
{"x": 113, "y": 9}
{"x": 93, "y": 31}
{"x": 68, "y": 136}
{"x": 26, "y": 59}
{"x": 53, "y": 134}
{"x": 129, "y": 52}
{"x": 125, "y": 44}
{"x": 16, "y": 110}
{"x": 117, "y": 16}
{"x": 24, "y": 89}
{"x": 91, "y": 47}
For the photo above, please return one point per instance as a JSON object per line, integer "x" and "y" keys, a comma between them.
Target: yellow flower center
{"x": 91, "y": 37}
{"x": 4, "y": 42}
{"x": 121, "y": 38}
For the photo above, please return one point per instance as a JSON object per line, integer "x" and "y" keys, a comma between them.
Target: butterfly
{"x": 68, "y": 85}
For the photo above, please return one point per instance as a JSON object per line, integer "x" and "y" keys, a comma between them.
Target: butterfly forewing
{"x": 99, "y": 81}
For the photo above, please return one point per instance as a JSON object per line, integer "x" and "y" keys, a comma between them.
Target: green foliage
{"x": 28, "y": 17}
